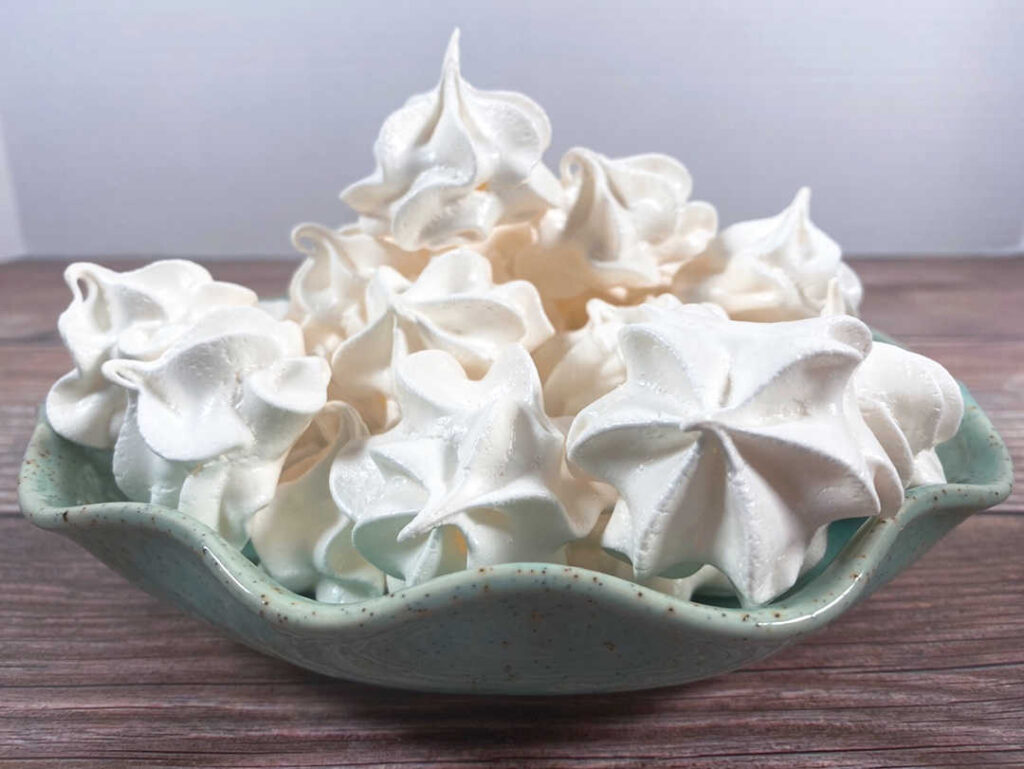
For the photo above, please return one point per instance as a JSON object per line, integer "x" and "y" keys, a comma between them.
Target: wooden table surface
{"x": 927, "y": 672}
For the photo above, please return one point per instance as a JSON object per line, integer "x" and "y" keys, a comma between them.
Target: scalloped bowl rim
{"x": 789, "y": 617}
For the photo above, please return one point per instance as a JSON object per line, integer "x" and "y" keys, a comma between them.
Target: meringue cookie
{"x": 210, "y": 421}
{"x": 474, "y": 474}
{"x": 326, "y": 292}
{"x": 454, "y": 306}
{"x": 630, "y": 225}
{"x": 503, "y": 247}
{"x": 770, "y": 269}
{"x": 455, "y": 163}
{"x": 578, "y": 367}
{"x": 912, "y": 404}
{"x": 135, "y": 314}
{"x": 731, "y": 444}
{"x": 302, "y": 539}
{"x": 588, "y": 553}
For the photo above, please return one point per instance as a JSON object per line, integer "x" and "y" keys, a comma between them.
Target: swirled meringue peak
{"x": 578, "y": 367}
{"x": 135, "y": 314}
{"x": 474, "y": 474}
{"x": 210, "y": 421}
{"x": 302, "y": 539}
{"x": 731, "y": 444}
{"x": 454, "y": 163}
{"x": 912, "y": 404}
{"x": 455, "y": 306}
{"x": 327, "y": 290}
{"x": 770, "y": 269}
{"x": 629, "y": 225}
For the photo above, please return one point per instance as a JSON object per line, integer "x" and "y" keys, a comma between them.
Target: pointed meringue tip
{"x": 407, "y": 533}
{"x": 802, "y": 201}
{"x": 835, "y": 304}
{"x": 451, "y": 54}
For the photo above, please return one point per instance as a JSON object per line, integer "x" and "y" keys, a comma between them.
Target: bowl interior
{"x": 80, "y": 477}
{"x": 93, "y": 483}
{"x": 514, "y": 628}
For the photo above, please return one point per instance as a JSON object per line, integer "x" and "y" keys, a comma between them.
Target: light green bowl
{"x": 516, "y": 628}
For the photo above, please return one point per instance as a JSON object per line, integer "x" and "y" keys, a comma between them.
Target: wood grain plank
{"x": 928, "y": 672}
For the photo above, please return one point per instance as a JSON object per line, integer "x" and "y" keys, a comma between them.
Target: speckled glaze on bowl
{"x": 515, "y": 628}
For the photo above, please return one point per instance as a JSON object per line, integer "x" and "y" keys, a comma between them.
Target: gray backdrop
{"x": 194, "y": 127}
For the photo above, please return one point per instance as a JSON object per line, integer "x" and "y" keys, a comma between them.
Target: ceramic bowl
{"x": 515, "y": 628}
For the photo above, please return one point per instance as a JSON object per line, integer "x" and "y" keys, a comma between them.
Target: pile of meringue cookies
{"x": 496, "y": 364}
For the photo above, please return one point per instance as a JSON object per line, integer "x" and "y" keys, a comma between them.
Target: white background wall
{"x": 211, "y": 127}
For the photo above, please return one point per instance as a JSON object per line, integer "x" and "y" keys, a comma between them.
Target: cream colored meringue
{"x": 629, "y": 225}
{"x": 504, "y": 246}
{"x": 455, "y": 163}
{"x": 210, "y": 421}
{"x": 770, "y": 269}
{"x": 327, "y": 290}
{"x": 578, "y": 367}
{"x": 474, "y": 474}
{"x": 454, "y": 306}
{"x": 731, "y": 444}
{"x": 302, "y": 539}
{"x": 912, "y": 404}
{"x": 135, "y": 314}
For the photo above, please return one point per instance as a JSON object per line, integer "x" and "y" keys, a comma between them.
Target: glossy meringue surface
{"x": 210, "y": 422}
{"x": 134, "y": 315}
{"x": 473, "y": 475}
{"x": 301, "y": 538}
{"x": 454, "y": 306}
{"x": 629, "y": 224}
{"x": 455, "y": 163}
{"x": 514, "y": 628}
{"x": 911, "y": 404}
{"x": 771, "y": 269}
{"x": 326, "y": 295}
{"x": 579, "y": 366}
{"x": 731, "y": 444}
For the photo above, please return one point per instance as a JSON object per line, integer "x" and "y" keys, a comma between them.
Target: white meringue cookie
{"x": 731, "y": 444}
{"x": 135, "y": 314}
{"x": 578, "y": 367}
{"x": 474, "y": 474}
{"x": 503, "y": 247}
{"x": 327, "y": 290}
{"x": 211, "y": 420}
{"x": 909, "y": 402}
{"x": 588, "y": 553}
{"x": 302, "y": 539}
{"x": 770, "y": 269}
{"x": 455, "y": 163}
{"x": 630, "y": 225}
{"x": 454, "y": 306}
{"x": 912, "y": 404}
